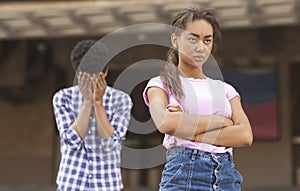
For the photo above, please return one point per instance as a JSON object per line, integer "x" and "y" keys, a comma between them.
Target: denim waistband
{"x": 199, "y": 153}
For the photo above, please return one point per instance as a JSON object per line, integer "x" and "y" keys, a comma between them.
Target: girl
{"x": 202, "y": 118}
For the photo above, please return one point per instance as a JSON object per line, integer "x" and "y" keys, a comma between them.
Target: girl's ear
{"x": 174, "y": 40}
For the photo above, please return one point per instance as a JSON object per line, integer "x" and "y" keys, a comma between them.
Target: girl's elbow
{"x": 166, "y": 128}
{"x": 249, "y": 142}
{"x": 161, "y": 129}
{"x": 248, "y": 138}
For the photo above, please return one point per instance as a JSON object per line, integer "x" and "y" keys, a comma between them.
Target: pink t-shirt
{"x": 202, "y": 97}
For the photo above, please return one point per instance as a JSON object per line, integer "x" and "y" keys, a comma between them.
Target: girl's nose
{"x": 200, "y": 47}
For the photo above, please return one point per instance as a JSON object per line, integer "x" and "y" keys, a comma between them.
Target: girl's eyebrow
{"x": 197, "y": 35}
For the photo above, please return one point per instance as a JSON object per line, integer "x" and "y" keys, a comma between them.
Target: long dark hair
{"x": 170, "y": 73}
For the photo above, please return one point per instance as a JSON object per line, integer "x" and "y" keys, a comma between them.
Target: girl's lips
{"x": 199, "y": 58}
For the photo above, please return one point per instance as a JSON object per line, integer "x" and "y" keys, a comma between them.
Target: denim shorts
{"x": 194, "y": 170}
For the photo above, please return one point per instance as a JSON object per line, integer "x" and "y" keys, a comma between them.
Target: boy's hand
{"x": 100, "y": 87}
{"x": 85, "y": 83}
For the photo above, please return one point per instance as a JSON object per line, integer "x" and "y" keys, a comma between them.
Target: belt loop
{"x": 195, "y": 152}
{"x": 230, "y": 156}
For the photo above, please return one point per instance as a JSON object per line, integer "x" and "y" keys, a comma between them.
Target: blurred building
{"x": 259, "y": 52}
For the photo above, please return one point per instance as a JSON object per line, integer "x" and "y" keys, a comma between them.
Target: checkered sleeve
{"x": 64, "y": 117}
{"x": 121, "y": 107}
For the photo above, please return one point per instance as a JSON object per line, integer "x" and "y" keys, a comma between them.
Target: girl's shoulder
{"x": 229, "y": 89}
{"x": 155, "y": 79}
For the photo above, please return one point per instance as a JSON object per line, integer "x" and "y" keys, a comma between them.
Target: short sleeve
{"x": 154, "y": 82}
{"x": 230, "y": 91}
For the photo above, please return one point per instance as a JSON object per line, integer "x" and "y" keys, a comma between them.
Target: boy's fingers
{"x": 102, "y": 77}
{"x": 106, "y": 72}
{"x": 99, "y": 80}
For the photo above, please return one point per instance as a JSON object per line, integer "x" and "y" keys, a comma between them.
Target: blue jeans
{"x": 194, "y": 170}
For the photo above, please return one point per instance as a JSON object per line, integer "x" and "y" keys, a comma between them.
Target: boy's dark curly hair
{"x": 89, "y": 56}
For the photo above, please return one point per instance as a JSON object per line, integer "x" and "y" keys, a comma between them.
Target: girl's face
{"x": 194, "y": 43}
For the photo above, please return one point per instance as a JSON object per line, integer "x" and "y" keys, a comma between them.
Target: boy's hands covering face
{"x": 100, "y": 87}
{"x": 86, "y": 83}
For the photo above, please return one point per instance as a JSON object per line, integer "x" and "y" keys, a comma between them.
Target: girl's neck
{"x": 191, "y": 72}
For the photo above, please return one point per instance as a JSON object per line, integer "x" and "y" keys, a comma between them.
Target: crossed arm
{"x": 211, "y": 129}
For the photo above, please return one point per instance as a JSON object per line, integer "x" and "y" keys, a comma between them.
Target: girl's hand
{"x": 173, "y": 108}
{"x": 227, "y": 122}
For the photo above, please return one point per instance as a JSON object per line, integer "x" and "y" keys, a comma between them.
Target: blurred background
{"x": 259, "y": 55}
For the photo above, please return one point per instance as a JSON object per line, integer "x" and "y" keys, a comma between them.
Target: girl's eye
{"x": 207, "y": 41}
{"x": 193, "y": 40}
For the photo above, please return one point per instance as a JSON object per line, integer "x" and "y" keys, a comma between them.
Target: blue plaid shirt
{"x": 92, "y": 163}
